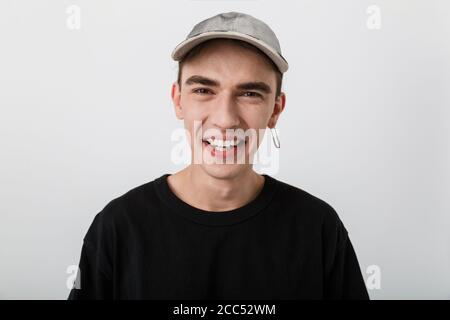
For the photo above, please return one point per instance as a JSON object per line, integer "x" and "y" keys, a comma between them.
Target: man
{"x": 216, "y": 229}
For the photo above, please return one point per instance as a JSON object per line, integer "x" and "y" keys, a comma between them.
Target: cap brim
{"x": 185, "y": 46}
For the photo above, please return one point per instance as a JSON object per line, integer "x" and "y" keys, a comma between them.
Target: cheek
{"x": 194, "y": 118}
{"x": 258, "y": 121}
{"x": 192, "y": 126}
{"x": 193, "y": 109}
{"x": 256, "y": 117}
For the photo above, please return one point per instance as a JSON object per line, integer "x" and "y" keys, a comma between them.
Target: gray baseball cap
{"x": 234, "y": 25}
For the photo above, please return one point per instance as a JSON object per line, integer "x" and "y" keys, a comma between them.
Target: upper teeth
{"x": 223, "y": 143}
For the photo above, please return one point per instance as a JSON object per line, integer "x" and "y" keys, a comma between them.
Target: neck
{"x": 198, "y": 188}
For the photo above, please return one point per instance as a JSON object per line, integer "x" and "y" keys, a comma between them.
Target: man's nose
{"x": 225, "y": 114}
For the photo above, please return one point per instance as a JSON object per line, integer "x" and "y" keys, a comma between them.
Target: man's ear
{"x": 176, "y": 99}
{"x": 280, "y": 102}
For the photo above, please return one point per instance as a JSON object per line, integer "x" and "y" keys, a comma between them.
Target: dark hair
{"x": 197, "y": 49}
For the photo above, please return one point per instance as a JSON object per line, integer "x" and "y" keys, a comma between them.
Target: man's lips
{"x": 220, "y": 142}
{"x": 223, "y": 152}
{"x": 224, "y": 147}
{"x": 223, "y": 137}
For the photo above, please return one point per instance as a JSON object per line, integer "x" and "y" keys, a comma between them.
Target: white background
{"x": 86, "y": 115}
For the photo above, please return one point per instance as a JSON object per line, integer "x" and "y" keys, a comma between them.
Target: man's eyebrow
{"x": 201, "y": 80}
{"x": 260, "y": 86}
{"x": 257, "y": 85}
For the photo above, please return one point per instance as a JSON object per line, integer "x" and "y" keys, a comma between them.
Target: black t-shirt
{"x": 284, "y": 244}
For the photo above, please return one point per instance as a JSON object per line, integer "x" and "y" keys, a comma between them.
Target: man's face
{"x": 224, "y": 88}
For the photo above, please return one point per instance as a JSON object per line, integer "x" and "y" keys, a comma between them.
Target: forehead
{"x": 230, "y": 63}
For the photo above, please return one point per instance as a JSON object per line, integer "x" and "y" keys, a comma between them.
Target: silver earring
{"x": 275, "y": 138}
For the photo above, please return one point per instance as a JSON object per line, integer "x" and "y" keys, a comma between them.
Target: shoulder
{"x": 311, "y": 211}
{"x": 122, "y": 210}
{"x": 302, "y": 201}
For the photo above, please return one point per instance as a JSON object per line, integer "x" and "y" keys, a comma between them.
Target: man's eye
{"x": 201, "y": 91}
{"x": 252, "y": 94}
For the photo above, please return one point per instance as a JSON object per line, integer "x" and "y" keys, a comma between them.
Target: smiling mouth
{"x": 220, "y": 145}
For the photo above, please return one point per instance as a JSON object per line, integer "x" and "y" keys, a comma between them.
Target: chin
{"x": 224, "y": 171}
